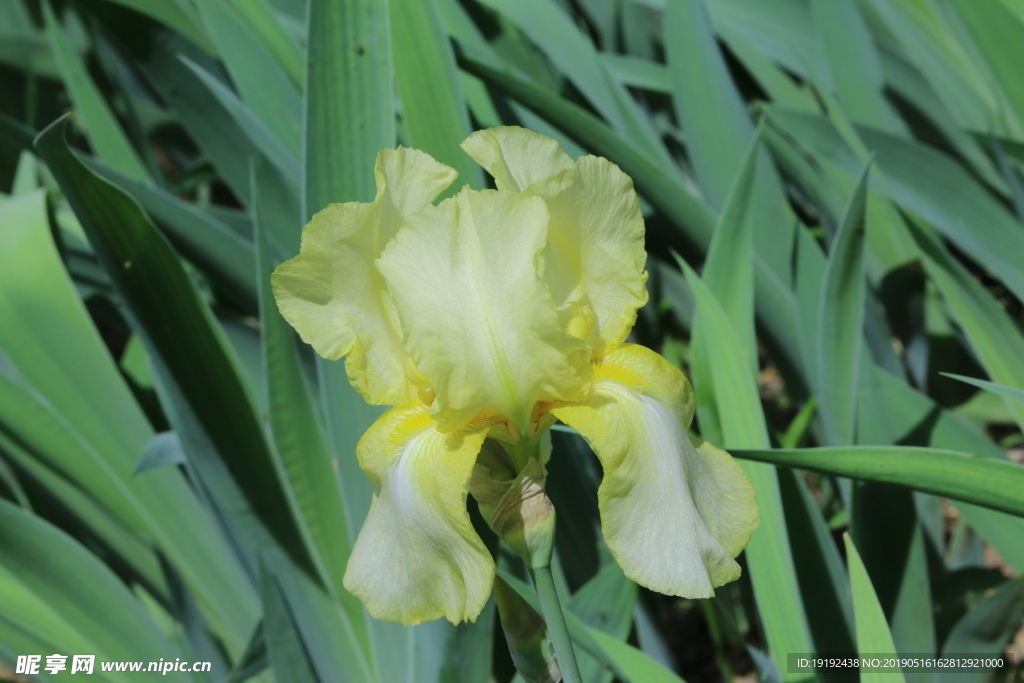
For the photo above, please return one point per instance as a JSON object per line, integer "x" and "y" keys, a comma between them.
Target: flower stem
{"x": 557, "y": 630}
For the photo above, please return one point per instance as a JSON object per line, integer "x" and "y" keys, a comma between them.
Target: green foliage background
{"x": 835, "y": 208}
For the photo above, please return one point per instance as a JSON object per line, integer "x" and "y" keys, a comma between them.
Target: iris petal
{"x": 595, "y": 253}
{"x": 515, "y": 157}
{"x": 673, "y": 512}
{"x": 333, "y": 295}
{"x": 478, "y": 319}
{"x": 417, "y": 557}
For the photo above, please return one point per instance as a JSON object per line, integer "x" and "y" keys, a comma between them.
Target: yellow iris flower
{"x": 490, "y": 315}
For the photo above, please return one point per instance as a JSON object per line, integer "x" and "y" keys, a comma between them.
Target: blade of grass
{"x": 284, "y": 157}
{"x": 719, "y": 131}
{"x": 553, "y": 31}
{"x": 85, "y": 594}
{"x": 261, "y": 80}
{"x": 433, "y": 107}
{"x": 50, "y": 339}
{"x": 181, "y": 18}
{"x": 296, "y": 429}
{"x": 918, "y": 421}
{"x": 1009, "y": 393}
{"x": 769, "y": 553}
{"x": 224, "y": 256}
{"x": 985, "y": 630}
{"x": 991, "y": 332}
{"x": 101, "y": 127}
{"x": 211, "y": 406}
{"x": 925, "y": 182}
{"x": 873, "y": 635}
{"x": 259, "y": 16}
{"x": 854, "y": 63}
{"x": 993, "y": 484}
{"x": 841, "y": 321}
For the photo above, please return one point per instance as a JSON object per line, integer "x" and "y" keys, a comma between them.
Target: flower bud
{"x": 516, "y": 506}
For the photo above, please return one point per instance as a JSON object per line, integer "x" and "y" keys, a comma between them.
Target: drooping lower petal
{"x": 673, "y": 513}
{"x": 417, "y": 557}
{"x": 333, "y": 295}
{"x": 478, "y": 318}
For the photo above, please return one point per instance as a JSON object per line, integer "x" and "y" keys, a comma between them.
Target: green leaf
{"x": 93, "y": 519}
{"x": 718, "y": 129}
{"x": 261, "y": 20}
{"x": 985, "y": 630}
{"x": 208, "y": 402}
{"x": 50, "y": 339}
{"x": 888, "y": 525}
{"x": 605, "y": 604}
{"x": 1009, "y": 393}
{"x": 918, "y": 421}
{"x": 923, "y": 181}
{"x": 995, "y": 338}
{"x": 469, "y": 652}
{"x": 215, "y": 248}
{"x": 103, "y": 130}
{"x": 285, "y": 158}
{"x": 349, "y": 105}
{"x": 728, "y": 272}
{"x": 286, "y": 652}
{"x": 769, "y": 553}
{"x": 261, "y": 80}
{"x": 728, "y": 268}
{"x": 820, "y": 571}
{"x": 81, "y": 594}
{"x": 854, "y": 64}
{"x": 582, "y": 635}
{"x": 163, "y": 451}
{"x": 841, "y": 321}
{"x": 181, "y": 18}
{"x": 666, "y": 192}
{"x": 999, "y": 36}
{"x": 994, "y": 484}
{"x": 326, "y": 636}
{"x": 554, "y": 32}
{"x": 433, "y": 107}
{"x": 924, "y": 35}
{"x": 296, "y": 429}
{"x": 873, "y": 635}
{"x": 350, "y": 116}
{"x": 210, "y": 125}
{"x": 633, "y": 662}
{"x": 637, "y": 72}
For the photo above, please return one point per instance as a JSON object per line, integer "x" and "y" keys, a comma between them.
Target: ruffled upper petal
{"x": 417, "y": 557}
{"x": 595, "y": 255}
{"x": 515, "y": 157}
{"x": 673, "y": 513}
{"x": 332, "y": 294}
{"x": 478, "y": 318}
